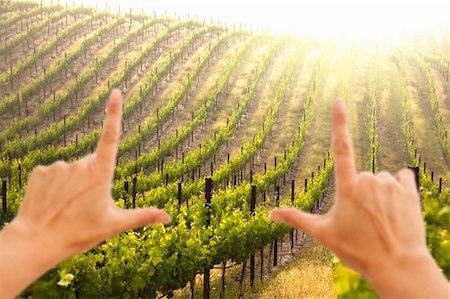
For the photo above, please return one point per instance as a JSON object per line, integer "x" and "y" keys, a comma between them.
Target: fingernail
{"x": 339, "y": 105}
{"x": 274, "y": 216}
{"x": 116, "y": 95}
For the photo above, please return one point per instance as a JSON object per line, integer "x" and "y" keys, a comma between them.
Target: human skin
{"x": 67, "y": 209}
{"x": 375, "y": 225}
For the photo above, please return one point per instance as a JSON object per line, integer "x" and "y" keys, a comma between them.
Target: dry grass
{"x": 309, "y": 276}
{"x": 394, "y": 154}
{"x": 427, "y": 142}
{"x": 306, "y": 273}
{"x": 442, "y": 92}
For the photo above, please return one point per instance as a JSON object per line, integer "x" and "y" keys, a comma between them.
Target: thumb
{"x": 306, "y": 222}
{"x": 130, "y": 219}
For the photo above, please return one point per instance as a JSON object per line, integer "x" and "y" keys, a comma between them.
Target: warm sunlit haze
{"x": 338, "y": 20}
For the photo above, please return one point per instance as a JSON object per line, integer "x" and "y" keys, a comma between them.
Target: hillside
{"x": 248, "y": 110}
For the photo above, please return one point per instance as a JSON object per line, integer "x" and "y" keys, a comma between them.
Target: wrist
{"x": 25, "y": 255}
{"x": 409, "y": 275}
{"x": 39, "y": 242}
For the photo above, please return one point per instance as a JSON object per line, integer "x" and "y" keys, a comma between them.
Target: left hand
{"x": 68, "y": 209}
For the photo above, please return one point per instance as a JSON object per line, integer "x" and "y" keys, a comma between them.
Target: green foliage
{"x": 26, "y": 10}
{"x": 156, "y": 259}
{"x": 196, "y": 157}
{"x": 47, "y": 47}
{"x": 149, "y": 126}
{"x": 349, "y": 284}
{"x": 439, "y": 121}
{"x": 39, "y": 27}
{"x": 372, "y": 129}
{"x": 54, "y": 132}
{"x": 56, "y": 68}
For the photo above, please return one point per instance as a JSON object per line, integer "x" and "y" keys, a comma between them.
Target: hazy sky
{"x": 323, "y": 18}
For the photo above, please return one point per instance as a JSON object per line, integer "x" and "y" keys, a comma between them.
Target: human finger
{"x": 107, "y": 146}
{"x": 407, "y": 179}
{"x": 306, "y": 222}
{"x": 387, "y": 177}
{"x": 342, "y": 147}
{"x": 131, "y": 219}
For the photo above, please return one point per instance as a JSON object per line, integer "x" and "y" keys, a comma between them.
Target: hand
{"x": 68, "y": 209}
{"x": 375, "y": 225}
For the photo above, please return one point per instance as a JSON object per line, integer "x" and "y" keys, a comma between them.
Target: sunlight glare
{"x": 328, "y": 20}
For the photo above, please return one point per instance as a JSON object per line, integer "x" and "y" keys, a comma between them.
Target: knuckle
{"x": 383, "y": 174}
{"x": 391, "y": 187}
{"x": 366, "y": 179}
{"x": 385, "y": 177}
{"x": 113, "y": 108}
{"x": 341, "y": 146}
{"x": 415, "y": 195}
{"x": 59, "y": 165}
{"x": 406, "y": 173}
{"x": 340, "y": 118}
{"x": 90, "y": 161}
{"x": 110, "y": 136}
{"x": 410, "y": 194}
{"x": 39, "y": 171}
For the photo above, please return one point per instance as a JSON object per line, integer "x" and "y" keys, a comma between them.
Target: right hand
{"x": 375, "y": 225}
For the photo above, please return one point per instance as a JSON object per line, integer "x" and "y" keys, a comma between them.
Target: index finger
{"x": 342, "y": 147}
{"x": 107, "y": 145}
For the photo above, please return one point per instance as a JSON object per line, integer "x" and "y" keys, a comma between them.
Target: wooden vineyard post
{"x": 20, "y": 176}
{"x": 292, "y": 203}
{"x": 275, "y": 245}
{"x": 133, "y": 192}
{"x": 208, "y": 196}
{"x": 65, "y": 133}
{"x": 373, "y": 160}
{"x": 252, "y": 257}
{"x": 416, "y": 175}
{"x": 241, "y": 280}
{"x": 222, "y": 281}
{"x": 440, "y": 185}
{"x": 126, "y": 188}
{"x": 179, "y": 196}
{"x": 4, "y": 195}
{"x": 261, "y": 263}
{"x": 11, "y": 72}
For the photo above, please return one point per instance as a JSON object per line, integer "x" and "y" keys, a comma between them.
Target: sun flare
{"x": 335, "y": 20}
